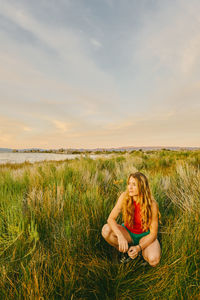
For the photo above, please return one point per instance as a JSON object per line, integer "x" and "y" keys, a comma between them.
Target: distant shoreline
{"x": 96, "y": 150}
{"x": 21, "y": 157}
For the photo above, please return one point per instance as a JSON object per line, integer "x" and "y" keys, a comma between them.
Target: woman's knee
{"x": 106, "y": 230}
{"x": 153, "y": 260}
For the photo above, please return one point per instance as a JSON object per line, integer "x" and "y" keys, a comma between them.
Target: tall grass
{"x": 51, "y": 215}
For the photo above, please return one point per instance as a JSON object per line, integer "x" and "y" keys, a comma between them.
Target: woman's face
{"x": 132, "y": 187}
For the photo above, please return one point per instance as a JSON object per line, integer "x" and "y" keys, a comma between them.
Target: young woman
{"x": 140, "y": 213}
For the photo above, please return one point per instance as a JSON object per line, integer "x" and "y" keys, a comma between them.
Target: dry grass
{"x": 51, "y": 215}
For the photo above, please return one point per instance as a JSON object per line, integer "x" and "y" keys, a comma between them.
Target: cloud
{"x": 169, "y": 128}
{"x": 140, "y": 87}
{"x": 62, "y": 126}
{"x": 96, "y": 43}
{"x": 26, "y": 128}
{"x": 67, "y": 75}
{"x": 67, "y": 45}
{"x": 169, "y": 38}
{"x": 10, "y": 129}
{"x": 31, "y": 93}
{"x": 172, "y": 128}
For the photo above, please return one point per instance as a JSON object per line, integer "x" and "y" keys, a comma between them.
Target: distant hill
{"x": 118, "y": 149}
{"x": 131, "y": 148}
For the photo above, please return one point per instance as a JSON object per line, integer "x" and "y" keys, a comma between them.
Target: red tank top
{"x": 137, "y": 227}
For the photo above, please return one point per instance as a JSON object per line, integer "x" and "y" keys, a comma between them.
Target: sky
{"x": 99, "y": 73}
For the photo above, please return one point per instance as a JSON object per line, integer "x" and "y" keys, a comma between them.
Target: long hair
{"x": 145, "y": 200}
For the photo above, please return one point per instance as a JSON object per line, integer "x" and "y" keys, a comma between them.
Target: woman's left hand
{"x": 133, "y": 252}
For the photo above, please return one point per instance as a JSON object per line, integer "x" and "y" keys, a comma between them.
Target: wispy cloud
{"x": 10, "y": 129}
{"x": 118, "y": 74}
{"x": 96, "y": 43}
{"x": 62, "y": 126}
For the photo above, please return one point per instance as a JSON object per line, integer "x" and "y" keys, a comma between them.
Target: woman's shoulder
{"x": 122, "y": 196}
{"x": 154, "y": 204}
{"x": 120, "y": 201}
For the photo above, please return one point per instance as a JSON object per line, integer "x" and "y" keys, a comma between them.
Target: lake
{"x": 9, "y": 157}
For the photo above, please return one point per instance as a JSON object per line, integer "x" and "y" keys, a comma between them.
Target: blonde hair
{"x": 145, "y": 200}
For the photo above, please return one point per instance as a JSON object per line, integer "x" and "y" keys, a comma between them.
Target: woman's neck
{"x": 136, "y": 199}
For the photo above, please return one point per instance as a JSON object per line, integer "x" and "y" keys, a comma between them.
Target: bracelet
{"x": 140, "y": 247}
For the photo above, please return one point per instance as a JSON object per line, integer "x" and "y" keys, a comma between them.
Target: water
{"x": 7, "y": 157}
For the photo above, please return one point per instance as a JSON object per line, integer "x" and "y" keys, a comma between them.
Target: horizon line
{"x": 87, "y": 148}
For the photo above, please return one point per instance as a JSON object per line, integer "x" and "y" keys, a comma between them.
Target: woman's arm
{"x": 122, "y": 242}
{"x": 151, "y": 237}
{"x": 114, "y": 214}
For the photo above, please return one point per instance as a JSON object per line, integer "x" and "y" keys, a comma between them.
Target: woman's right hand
{"x": 123, "y": 244}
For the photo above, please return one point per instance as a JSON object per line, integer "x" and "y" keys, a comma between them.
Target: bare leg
{"x": 152, "y": 253}
{"x": 111, "y": 237}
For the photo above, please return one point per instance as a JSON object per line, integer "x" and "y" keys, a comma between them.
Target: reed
{"x": 51, "y": 215}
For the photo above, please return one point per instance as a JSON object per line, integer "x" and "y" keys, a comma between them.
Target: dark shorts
{"x": 136, "y": 237}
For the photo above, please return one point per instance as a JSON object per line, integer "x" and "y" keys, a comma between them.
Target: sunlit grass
{"x": 51, "y": 215}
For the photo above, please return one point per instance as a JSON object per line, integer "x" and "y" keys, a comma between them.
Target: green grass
{"x": 51, "y": 215}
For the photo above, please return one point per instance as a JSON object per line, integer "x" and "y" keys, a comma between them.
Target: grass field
{"x": 51, "y": 215}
